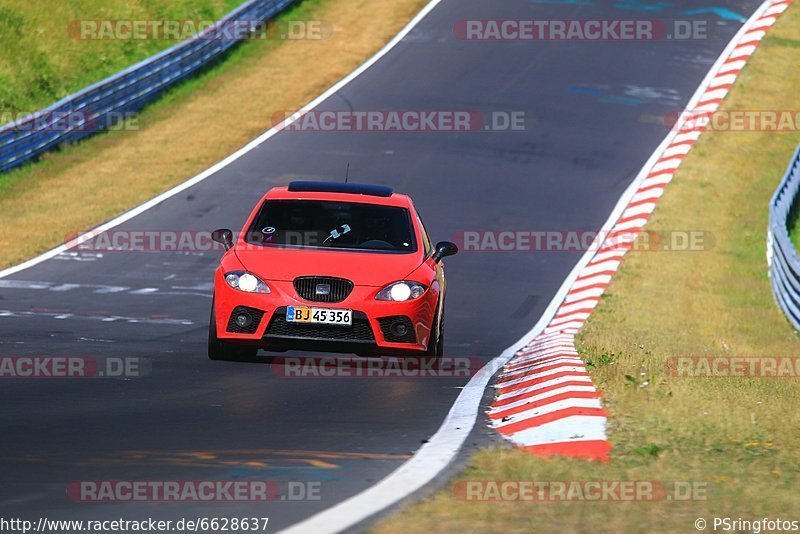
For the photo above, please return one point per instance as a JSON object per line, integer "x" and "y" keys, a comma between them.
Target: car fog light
{"x": 400, "y": 329}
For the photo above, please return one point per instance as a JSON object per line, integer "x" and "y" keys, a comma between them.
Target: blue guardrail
{"x": 784, "y": 268}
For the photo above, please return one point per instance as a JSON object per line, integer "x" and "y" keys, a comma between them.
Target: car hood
{"x": 362, "y": 268}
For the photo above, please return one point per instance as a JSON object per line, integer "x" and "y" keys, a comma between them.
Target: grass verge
{"x": 91, "y": 182}
{"x": 737, "y": 436}
{"x": 41, "y": 61}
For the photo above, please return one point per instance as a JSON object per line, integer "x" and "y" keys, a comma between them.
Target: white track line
{"x": 443, "y": 446}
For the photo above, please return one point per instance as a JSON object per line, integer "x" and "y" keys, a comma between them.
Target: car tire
{"x": 221, "y": 350}
{"x": 436, "y": 343}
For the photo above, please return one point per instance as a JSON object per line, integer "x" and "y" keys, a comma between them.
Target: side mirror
{"x": 444, "y": 249}
{"x": 224, "y": 237}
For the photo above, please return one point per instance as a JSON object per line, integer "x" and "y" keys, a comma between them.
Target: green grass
{"x": 737, "y": 436}
{"x": 40, "y": 63}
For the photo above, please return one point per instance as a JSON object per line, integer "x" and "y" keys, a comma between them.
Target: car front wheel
{"x": 436, "y": 343}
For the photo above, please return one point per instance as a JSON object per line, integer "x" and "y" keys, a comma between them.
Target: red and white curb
{"x": 546, "y": 402}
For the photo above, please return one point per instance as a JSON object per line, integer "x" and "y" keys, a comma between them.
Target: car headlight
{"x": 401, "y": 291}
{"x": 247, "y": 282}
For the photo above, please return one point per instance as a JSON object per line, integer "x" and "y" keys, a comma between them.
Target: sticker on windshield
{"x": 336, "y": 233}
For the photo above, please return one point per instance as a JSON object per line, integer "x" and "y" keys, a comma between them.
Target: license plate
{"x": 304, "y": 314}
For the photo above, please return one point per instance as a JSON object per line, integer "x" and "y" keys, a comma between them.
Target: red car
{"x": 329, "y": 267}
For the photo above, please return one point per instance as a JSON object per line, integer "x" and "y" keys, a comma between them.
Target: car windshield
{"x": 328, "y": 224}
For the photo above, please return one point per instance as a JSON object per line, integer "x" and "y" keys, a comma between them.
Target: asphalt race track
{"x": 591, "y": 121}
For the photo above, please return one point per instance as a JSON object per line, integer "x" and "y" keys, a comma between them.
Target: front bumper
{"x": 372, "y": 329}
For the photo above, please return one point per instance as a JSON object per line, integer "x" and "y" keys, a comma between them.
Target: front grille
{"x": 388, "y": 325}
{"x": 359, "y": 332}
{"x": 253, "y": 314}
{"x": 338, "y": 288}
